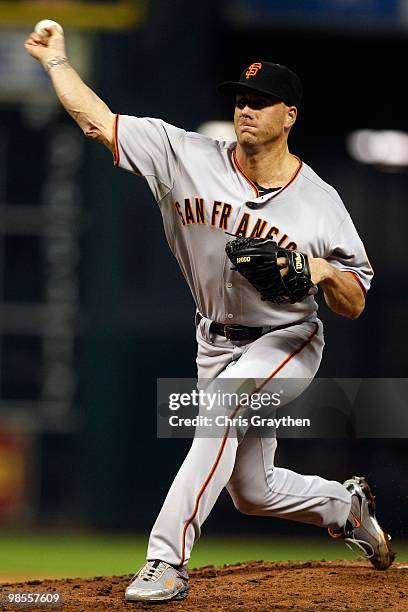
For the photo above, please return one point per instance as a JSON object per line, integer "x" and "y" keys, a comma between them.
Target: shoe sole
{"x": 370, "y": 498}
{"x": 180, "y": 595}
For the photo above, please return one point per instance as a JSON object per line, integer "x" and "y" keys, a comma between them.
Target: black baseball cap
{"x": 267, "y": 78}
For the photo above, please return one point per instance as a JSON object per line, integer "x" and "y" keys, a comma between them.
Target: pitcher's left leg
{"x": 256, "y": 485}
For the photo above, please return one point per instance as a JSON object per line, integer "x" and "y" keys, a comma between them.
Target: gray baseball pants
{"x": 246, "y": 466}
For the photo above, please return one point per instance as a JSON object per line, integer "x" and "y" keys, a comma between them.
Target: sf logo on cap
{"x": 253, "y": 69}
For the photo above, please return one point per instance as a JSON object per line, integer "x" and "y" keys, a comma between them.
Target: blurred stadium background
{"x": 93, "y": 307}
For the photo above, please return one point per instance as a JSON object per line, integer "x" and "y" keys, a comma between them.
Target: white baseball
{"x": 47, "y": 23}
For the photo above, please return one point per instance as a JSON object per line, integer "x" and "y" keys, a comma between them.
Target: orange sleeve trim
{"x": 116, "y": 156}
{"x": 357, "y": 278}
{"x": 224, "y": 441}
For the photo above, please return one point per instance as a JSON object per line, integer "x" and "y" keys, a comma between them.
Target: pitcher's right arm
{"x": 92, "y": 115}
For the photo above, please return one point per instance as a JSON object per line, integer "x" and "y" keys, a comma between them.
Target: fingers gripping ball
{"x": 257, "y": 260}
{"x": 41, "y": 26}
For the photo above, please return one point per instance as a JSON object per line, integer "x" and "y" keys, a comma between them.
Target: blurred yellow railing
{"x": 121, "y": 15}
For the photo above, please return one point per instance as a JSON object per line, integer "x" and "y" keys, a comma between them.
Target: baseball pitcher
{"x": 255, "y": 231}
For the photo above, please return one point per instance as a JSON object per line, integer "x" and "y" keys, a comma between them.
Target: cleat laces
{"x": 359, "y": 547}
{"x": 151, "y": 571}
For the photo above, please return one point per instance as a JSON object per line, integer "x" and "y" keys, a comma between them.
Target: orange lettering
{"x": 258, "y": 228}
{"x": 177, "y": 205}
{"x": 274, "y": 231}
{"x": 243, "y": 225}
{"x": 188, "y": 212}
{"x": 226, "y": 211}
{"x": 253, "y": 69}
{"x": 200, "y": 212}
{"x": 215, "y": 212}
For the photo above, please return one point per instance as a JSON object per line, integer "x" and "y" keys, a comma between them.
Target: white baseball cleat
{"x": 158, "y": 581}
{"x": 362, "y": 532}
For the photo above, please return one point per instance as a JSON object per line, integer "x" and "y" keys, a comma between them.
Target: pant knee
{"x": 246, "y": 505}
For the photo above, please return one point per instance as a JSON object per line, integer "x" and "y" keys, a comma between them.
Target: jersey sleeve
{"x": 347, "y": 254}
{"x": 148, "y": 147}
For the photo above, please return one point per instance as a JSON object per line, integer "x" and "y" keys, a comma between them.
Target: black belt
{"x": 239, "y": 333}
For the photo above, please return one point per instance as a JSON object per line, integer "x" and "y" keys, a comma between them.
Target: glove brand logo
{"x": 243, "y": 260}
{"x": 253, "y": 69}
{"x": 298, "y": 261}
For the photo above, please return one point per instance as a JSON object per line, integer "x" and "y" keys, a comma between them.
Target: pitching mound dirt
{"x": 294, "y": 586}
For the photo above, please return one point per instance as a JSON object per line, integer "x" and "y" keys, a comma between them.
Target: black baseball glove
{"x": 257, "y": 260}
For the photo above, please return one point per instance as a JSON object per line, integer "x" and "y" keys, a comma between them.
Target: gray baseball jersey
{"x": 204, "y": 196}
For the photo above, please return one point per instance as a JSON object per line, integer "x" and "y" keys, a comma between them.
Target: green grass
{"x": 30, "y": 555}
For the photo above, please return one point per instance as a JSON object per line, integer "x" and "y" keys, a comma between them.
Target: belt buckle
{"x": 228, "y": 329}
{"x": 236, "y": 333}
